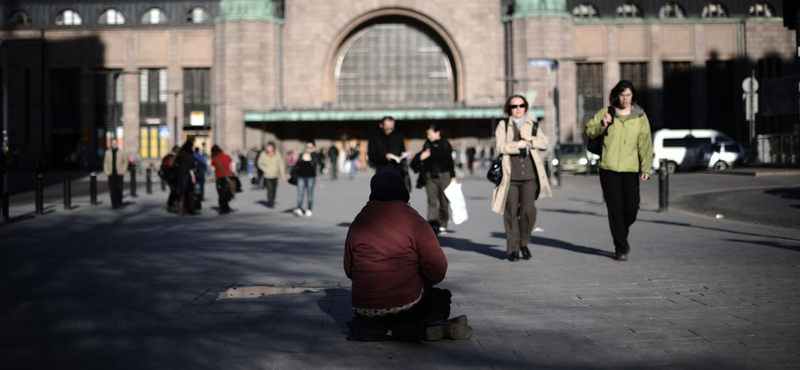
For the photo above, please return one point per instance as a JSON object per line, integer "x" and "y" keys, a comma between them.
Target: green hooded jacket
{"x": 628, "y": 147}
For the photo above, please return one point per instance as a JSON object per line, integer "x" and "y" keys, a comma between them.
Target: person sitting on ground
{"x": 394, "y": 260}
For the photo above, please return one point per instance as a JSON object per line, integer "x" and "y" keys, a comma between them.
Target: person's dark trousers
{"x": 185, "y": 187}
{"x": 438, "y": 205}
{"x": 621, "y": 193}
{"x": 520, "y": 214}
{"x": 434, "y": 307}
{"x": 470, "y": 163}
{"x": 260, "y": 180}
{"x": 334, "y": 169}
{"x": 224, "y": 195}
{"x": 272, "y": 188}
{"x": 115, "y": 190}
{"x": 201, "y": 188}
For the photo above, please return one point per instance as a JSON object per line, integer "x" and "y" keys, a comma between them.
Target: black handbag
{"x": 595, "y": 146}
{"x": 495, "y": 174}
{"x": 293, "y": 177}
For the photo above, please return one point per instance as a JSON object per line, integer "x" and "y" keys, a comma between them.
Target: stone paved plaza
{"x": 138, "y": 288}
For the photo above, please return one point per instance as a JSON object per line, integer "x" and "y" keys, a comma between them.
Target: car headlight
{"x": 555, "y": 162}
{"x": 583, "y": 161}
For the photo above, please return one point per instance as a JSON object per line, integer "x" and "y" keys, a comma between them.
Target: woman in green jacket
{"x": 626, "y": 158}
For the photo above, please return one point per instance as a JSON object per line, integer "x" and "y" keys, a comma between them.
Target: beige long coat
{"x": 122, "y": 162}
{"x": 506, "y": 145}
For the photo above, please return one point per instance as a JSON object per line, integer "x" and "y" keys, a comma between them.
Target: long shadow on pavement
{"x": 468, "y": 246}
{"x": 789, "y": 247}
{"x": 554, "y": 243}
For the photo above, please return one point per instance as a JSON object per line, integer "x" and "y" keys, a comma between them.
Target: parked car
{"x": 575, "y": 158}
{"x": 681, "y": 147}
{"x": 720, "y": 156}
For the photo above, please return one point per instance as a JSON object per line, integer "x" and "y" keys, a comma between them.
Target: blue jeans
{"x": 305, "y": 185}
{"x": 352, "y": 168}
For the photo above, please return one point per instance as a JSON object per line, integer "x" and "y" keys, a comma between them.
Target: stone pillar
{"x": 655, "y": 76}
{"x": 175, "y": 84}
{"x": 699, "y": 102}
{"x": 130, "y": 98}
{"x": 245, "y": 69}
{"x": 87, "y": 155}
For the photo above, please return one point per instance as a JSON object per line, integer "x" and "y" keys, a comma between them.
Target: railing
{"x": 777, "y": 149}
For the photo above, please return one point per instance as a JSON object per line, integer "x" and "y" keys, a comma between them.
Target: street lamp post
{"x": 4, "y": 184}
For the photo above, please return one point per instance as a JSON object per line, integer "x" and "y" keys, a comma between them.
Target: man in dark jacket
{"x": 333, "y": 156}
{"x": 394, "y": 260}
{"x": 186, "y": 180}
{"x": 386, "y": 147}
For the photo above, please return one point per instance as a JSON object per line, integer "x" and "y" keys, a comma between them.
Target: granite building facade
{"x": 243, "y": 72}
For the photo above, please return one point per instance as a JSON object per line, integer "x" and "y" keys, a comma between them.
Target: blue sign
{"x": 163, "y": 132}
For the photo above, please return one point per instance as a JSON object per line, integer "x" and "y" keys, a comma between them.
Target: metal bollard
{"x": 149, "y": 181}
{"x": 67, "y": 192}
{"x": 4, "y": 198}
{"x": 663, "y": 187}
{"x": 93, "y": 188}
{"x": 133, "y": 183}
{"x": 39, "y": 194}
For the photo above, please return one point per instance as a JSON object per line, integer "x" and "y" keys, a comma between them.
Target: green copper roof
{"x": 376, "y": 115}
{"x": 248, "y": 10}
{"x": 540, "y": 8}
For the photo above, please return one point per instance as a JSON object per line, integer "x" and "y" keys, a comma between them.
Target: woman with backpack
{"x": 222, "y": 169}
{"x": 524, "y": 178}
{"x": 626, "y": 158}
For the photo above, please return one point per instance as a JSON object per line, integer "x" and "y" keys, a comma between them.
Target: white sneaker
{"x": 298, "y": 212}
{"x": 308, "y": 213}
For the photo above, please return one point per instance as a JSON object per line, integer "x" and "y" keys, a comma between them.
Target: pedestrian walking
{"x": 394, "y": 261}
{"x": 471, "y": 159}
{"x": 115, "y": 164}
{"x": 321, "y": 160}
{"x": 259, "y": 173}
{"x": 436, "y": 171}
{"x": 626, "y": 158}
{"x": 272, "y": 166}
{"x": 200, "y": 173}
{"x": 519, "y": 141}
{"x": 386, "y": 148}
{"x": 186, "y": 180}
{"x": 333, "y": 157}
{"x": 224, "y": 167}
{"x": 169, "y": 173}
{"x": 352, "y": 157}
{"x": 306, "y": 172}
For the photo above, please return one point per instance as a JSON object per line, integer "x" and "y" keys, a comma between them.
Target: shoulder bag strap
{"x": 220, "y": 166}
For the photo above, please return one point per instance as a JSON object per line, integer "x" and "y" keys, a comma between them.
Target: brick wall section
{"x": 769, "y": 38}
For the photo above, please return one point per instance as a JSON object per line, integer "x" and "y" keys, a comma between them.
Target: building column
{"x": 655, "y": 77}
{"x": 130, "y": 99}
{"x": 699, "y": 101}
{"x": 175, "y": 84}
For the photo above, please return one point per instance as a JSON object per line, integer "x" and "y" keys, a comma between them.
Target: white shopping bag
{"x": 458, "y": 205}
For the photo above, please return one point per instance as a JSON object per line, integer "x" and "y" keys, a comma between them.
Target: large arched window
{"x": 111, "y": 17}
{"x": 154, "y": 16}
{"x": 198, "y": 15}
{"x": 394, "y": 65}
{"x": 68, "y": 18}
{"x": 761, "y": 9}
{"x": 19, "y": 18}
{"x": 671, "y": 10}
{"x": 585, "y": 11}
{"x": 714, "y": 9}
{"x": 628, "y": 10}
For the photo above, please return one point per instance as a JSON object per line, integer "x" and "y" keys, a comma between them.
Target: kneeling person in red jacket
{"x": 393, "y": 258}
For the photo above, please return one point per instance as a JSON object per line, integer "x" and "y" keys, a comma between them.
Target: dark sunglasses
{"x": 517, "y": 106}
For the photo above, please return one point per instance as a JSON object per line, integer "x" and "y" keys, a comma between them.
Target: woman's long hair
{"x": 617, "y": 90}
{"x": 215, "y": 150}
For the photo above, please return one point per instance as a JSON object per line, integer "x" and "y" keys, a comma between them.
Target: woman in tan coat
{"x": 518, "y": 140}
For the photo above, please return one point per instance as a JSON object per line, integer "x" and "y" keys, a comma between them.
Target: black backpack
{"x": 595, "y": 145}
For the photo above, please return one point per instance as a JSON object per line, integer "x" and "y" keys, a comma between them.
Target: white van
{"x": 680, "y": 146}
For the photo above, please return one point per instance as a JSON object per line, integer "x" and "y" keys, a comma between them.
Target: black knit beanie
{"x": 387, "y": 186}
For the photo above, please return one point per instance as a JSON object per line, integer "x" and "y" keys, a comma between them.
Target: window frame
{"x": 206, "y": 13}
{"x": 677, "y": 11}
{"x": 149, "y": 11}
{"x": 768, "y": 11}
{"x": 636, "y": 10}
{"x": 722, "y": 10}
{"x": 118, "y": 12}
{"x": 590, "y": 13}
{"x": 62, "y": 14}
{"x": 28, "y": 20}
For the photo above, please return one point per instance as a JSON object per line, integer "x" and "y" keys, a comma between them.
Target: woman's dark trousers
{"x": 621, "y": 193}
{"x": 520, "y": 214}
{"x": 272, "y": 188}
{"x": 438, "y": 205}
{"x": 224, "y": 195}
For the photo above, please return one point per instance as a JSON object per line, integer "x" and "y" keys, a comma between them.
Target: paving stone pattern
{"x": 138, "y": 288}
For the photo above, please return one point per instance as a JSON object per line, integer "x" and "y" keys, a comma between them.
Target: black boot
{"x": 526, "y": 253}
{"x": 513, "y": 257}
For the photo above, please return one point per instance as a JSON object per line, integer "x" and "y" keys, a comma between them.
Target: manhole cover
{"x": 254, "y": 291}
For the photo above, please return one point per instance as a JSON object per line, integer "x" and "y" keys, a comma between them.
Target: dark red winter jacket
{"x": 390, "y": 253}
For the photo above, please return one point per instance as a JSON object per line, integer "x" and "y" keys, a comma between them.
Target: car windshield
{"x": 571, "y": 148}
